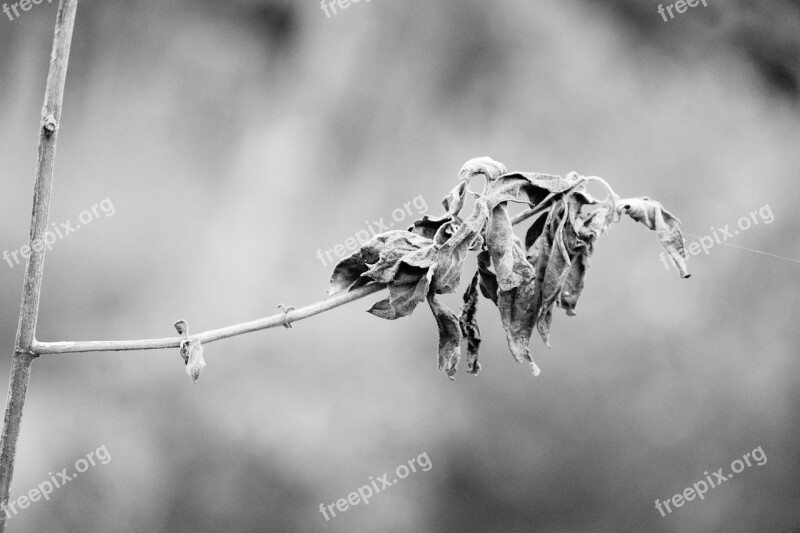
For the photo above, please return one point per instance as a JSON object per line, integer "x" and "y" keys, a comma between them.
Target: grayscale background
{"x": 236, "y": 138}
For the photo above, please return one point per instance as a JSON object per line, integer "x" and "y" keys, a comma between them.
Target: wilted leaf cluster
{"x": 525, "y": 278}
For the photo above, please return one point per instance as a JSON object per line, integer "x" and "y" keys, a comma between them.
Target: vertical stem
{"x": 29, "y": 310}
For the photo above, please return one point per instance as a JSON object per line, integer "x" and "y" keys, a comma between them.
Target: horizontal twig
{"x": 50, "y": 348}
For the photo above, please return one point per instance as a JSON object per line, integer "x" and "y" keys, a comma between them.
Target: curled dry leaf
{"x": 192, "y": 353}
{"x": 485, "y": 166}
{"x": 653, "y": 215}
{"x": 410, "y": 287}
{"x": 508, "y": 257}
{"x": 449, "y": 336}
{"x": 524, "y": 279}
{"x": 380, "y": 256}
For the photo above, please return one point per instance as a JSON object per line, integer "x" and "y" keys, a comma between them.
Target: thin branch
{"x": 41, "y": 348}
{"x": 29, "y": 310}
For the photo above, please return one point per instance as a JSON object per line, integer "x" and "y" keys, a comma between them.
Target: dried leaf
{"x": 539, "y": 252}
{"x": 469, "y": 325}
{"x": 596, "y": 223}
{"x": 508, "y": 256}
{"x": 573, "y": 286}
{"x": 450, "y": 256}
{"x": 485, "y": 166}
{"x": 182, "y": 328}
{"x": 514, "y": 188}
{"x": 428, "y": 227}
{"x": 580, "y": 245}
{"x": 653, "y": 215}
{"x": 409, "y": 289}
{"x": 551, "y": 183}
{"x": 192, "y": 353}
{"x": 528, "y": 188}
{"x": 536, "y": 228}
{"x": 388, "y": 268}
{"x": 530, "y": 304}
{"x": 449, "y": 336}
{"x": 380, "y": 256}
{"x": 488, "y": 279}
{"x": 555, "y": 274}
{"x": 191, "y": 350}
{"x": 454, "y": 202}
{"x": 518, "y": 311}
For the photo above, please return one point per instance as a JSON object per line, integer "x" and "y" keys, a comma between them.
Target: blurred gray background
{"x": 235, "y": 139}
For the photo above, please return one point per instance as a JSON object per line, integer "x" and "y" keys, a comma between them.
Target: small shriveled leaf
{"x": 449, "y": 336}
{"x": 182, "y": 328}
{"x": 192, "y": 353}
{"x": 653, "y": 215}
{"x": 469, "y": 325}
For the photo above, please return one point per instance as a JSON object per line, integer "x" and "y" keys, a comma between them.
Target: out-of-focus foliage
{"x": 236, "y": 139}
